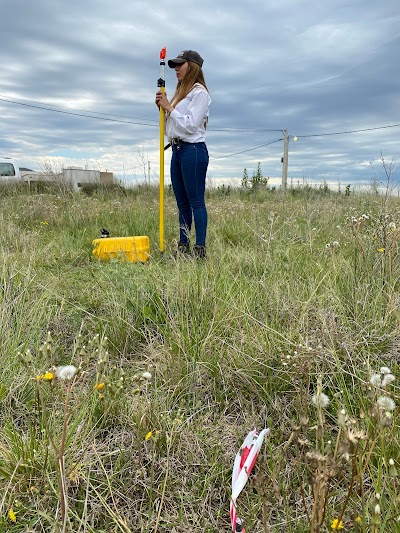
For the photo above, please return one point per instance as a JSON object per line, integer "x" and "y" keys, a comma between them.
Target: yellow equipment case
{"x": 135, "y": 249}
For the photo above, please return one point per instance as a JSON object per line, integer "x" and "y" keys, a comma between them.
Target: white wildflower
{"x": 346, "y": 457}
{"x": 354, "y": 220}
{"x": 376, "y": 380}
{"x": 391, "y": 462}
{"x": 386, "y": 403}
{"x": 385, "y": 370}
{"x": 392, "y": 226}
{"x": 342, "y": 417}
{"x": 328, "y": 245}
{"x": 66, "y": 372}
{"x": 320, "y": 400}
{"x": 365, "y": 217}
{"x": 335, "y": 244}
{"x": 377, "y": 509}
{"x": 146, "y": 375}
{"x": 387, "y": 380}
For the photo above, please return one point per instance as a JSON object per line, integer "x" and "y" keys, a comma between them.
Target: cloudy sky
{"x": 78, "y": 80}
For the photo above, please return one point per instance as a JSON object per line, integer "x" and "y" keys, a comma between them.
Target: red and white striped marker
{"x": 243, "y": 465}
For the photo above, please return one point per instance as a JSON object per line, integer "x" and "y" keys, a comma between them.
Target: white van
{"x": 9, "y": 169}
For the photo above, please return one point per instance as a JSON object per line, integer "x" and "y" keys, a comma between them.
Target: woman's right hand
{"x": 162, "y": 100}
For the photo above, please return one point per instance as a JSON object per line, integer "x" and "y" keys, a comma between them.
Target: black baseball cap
{"x": 186, "y": 55}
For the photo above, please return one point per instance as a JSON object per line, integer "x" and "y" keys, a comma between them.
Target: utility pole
{"x": 284, "y": 159}
{"x": 148, "y": 173}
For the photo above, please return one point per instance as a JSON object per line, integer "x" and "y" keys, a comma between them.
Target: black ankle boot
{"x": 199, "y": 251}
{"x": 183, "y": 248}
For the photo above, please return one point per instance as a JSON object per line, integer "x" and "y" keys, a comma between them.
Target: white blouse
{"x": 187, "y": 121}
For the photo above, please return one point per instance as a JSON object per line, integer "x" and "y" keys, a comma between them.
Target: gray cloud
{"x": 308, "y": 68}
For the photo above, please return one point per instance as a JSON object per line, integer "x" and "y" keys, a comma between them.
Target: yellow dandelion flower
{"x": 358, "y": 520}
{"x": 336, "y": 524}
{"x": 99, "y": 386}
{"x": 381, "y": 250}
{"x": 48, "y": 376}
{"x": 11, "y": 515}
{"x": 149, "y": 435}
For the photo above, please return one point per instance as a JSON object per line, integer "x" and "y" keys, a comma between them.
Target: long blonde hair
{"x": 193, "y": 75}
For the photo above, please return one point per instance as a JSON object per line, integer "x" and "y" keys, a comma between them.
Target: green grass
{"x": 234, "y": 342}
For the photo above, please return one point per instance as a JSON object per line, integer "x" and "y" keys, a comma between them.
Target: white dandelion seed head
{"x": 385, "y": 370}
{"x": 67, "y": 372}
{"x": 146, "y": 375}
{"x": 386, "y": 403}
{"x": 387, "y": 380}
{"x": 391, "y": 462}
{"x": 320, "y": 400}
{"x": 377, "y": 509}
{"x": 376, "y": 380}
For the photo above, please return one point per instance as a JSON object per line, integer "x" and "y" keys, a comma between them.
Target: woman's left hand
{"x": 162, "y": 100}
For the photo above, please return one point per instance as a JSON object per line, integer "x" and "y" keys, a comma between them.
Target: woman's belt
{"x": 173, "y": 141}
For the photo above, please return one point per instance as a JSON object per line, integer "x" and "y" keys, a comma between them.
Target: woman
{"x": 185, "y": 125}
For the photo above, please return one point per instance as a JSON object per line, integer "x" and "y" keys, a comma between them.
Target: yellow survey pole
{"x": 161, "y": 85}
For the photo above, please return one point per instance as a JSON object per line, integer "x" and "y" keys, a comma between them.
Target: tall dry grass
{"x": 286, "y": 323}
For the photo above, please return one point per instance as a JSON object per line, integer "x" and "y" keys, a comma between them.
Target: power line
{"x": 145, "y": 122}
{"x": 23, "y": 100}
{"x": 35, "y": 105}
{"x": 82, "y": 113}
{"x": 244, "y": 130}
{"x": 346, "y": 132}
{"x": 79, "y": 114}
{"x": 248, "y": 149}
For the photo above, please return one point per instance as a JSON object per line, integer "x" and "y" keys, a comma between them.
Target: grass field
{"x": 292, "y": 323}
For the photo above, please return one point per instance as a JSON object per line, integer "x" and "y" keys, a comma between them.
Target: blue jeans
{"x": 188, "y": 176}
